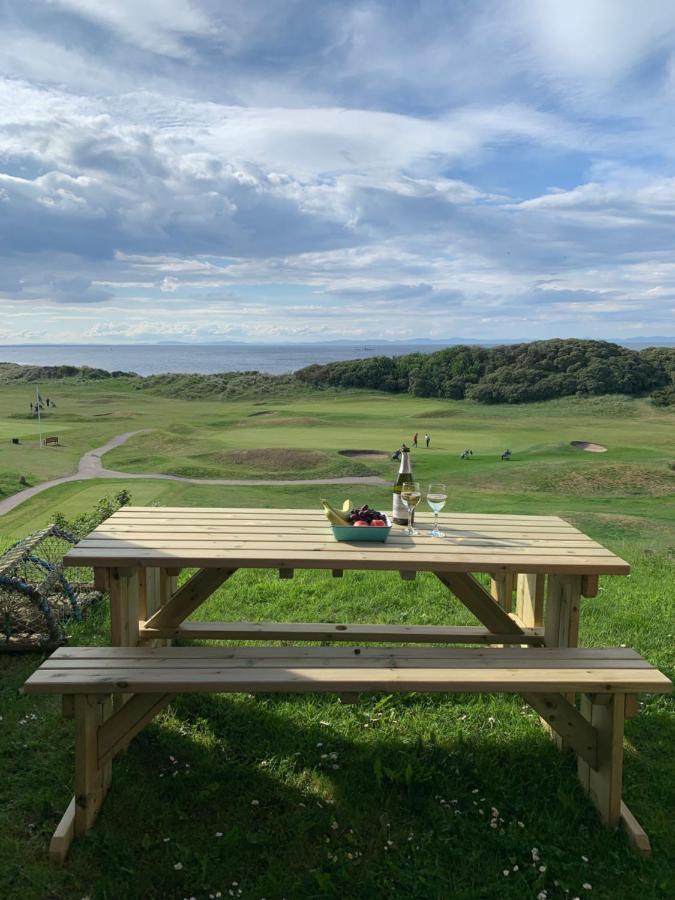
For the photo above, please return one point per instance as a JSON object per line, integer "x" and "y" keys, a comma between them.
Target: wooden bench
{"x": 52, "y": 440}
{"x": 114, "y": 692}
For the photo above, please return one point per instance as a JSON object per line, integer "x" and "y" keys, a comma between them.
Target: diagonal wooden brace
{"x": 568, "y": 722}
{"x": 480, "y": 602}
{"x": 188, "y": 597}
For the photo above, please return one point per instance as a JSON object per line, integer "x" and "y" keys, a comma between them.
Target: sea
{"x": 204, "y": 359}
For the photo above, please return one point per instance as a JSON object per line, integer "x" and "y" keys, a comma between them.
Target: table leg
{"x": 561, "y": 622}
{"x": 123, "y": 585}
{"x": 501, "y": 588}
{"x": 530, "y": 600}
{"x": 156, "y": 588}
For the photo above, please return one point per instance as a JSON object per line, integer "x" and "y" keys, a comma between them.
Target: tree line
{"x": 515, "y": 373}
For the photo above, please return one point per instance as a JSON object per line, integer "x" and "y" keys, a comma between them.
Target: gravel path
{"x": 91, "y": 466}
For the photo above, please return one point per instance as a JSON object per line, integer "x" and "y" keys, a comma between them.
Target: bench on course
{"x": 52, "y": 440}
{"x": 114, "y": 692}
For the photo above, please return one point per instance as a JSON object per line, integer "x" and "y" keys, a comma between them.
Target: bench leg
{"x": 91, "y": 780}
{"x": 64, "y": 834}
{"x": 605, "y": 712}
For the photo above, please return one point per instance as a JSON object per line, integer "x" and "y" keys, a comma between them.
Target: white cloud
{"x": 156, "y": 25}
{"x": 461, "y": 167}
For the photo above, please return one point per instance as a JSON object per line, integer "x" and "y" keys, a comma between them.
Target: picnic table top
{"x": 220, "y": 537}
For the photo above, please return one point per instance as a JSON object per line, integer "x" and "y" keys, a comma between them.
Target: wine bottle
{"x": 399, "y": 511}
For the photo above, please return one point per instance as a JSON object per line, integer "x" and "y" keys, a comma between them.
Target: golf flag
{"x": 38, "y": 407}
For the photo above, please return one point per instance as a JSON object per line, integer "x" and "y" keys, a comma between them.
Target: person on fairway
{"x": 427, "y": 440}
{"x": 415, "y": 436}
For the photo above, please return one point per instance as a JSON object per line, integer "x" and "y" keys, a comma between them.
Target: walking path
{"x": 91, "y": 466}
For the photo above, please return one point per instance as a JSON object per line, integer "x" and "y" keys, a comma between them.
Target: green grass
{"x": 397, "y": 757}
{"x": 319, "y": 831}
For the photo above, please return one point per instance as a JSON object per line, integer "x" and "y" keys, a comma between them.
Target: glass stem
{"x": 412, "y": 518}
{"x": 435, "y": 521}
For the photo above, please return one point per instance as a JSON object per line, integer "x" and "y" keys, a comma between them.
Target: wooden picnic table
{"x": 540, "y": 567}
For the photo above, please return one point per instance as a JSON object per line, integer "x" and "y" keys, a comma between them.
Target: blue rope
{"x": 18, "y": 584}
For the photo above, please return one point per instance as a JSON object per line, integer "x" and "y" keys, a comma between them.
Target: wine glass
{"x": 411, "y": 496}
{"x": 436, "y": 498}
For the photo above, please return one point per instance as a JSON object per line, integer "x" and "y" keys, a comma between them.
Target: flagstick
{"x": 37, "y": 406}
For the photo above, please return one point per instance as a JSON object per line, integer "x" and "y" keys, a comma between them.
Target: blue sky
{"x": 295, "y": 171}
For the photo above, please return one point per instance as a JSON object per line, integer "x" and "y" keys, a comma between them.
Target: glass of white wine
{"x": 437, "y": 496}
{"x": 411, "y": 496}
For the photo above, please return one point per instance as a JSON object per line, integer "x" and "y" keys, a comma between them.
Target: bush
{"x": 81, "y": 525}
{"x": 518, "y": 373}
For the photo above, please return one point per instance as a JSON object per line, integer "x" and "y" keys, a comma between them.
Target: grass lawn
{"x": 300, "y": 797}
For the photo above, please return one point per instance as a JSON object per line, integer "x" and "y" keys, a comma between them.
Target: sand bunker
{"x": 590, "y": 448}
{"x": 364, "y": 454}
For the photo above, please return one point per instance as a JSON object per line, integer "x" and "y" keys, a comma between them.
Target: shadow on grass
{"x": 300, "y": 797}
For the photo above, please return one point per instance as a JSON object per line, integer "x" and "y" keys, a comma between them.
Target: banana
{"x": 346, "y": 506}
{"x": 334, "y": 516}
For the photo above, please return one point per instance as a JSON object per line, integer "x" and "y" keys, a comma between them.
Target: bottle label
{"x": 399, "y": 510}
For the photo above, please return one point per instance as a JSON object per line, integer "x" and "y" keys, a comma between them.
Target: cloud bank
{"x": 295, "y": 171}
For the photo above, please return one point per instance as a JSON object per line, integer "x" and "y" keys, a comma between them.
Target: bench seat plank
{"x": 252, "y": 669}
{"x": 201, "y": 653}
{"x": 329, "y": 631}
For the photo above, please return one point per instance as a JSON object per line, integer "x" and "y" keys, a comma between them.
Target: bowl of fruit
{"x": 360, "y": 523}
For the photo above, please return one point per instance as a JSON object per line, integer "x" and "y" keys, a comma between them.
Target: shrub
{"x": 81, "y": 525}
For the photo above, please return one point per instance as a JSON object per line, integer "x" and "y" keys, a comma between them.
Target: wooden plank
{"x": 501, "y": 589}
{"x": 382, "y": 658}
{"x": 337, "y": 573}
{"x": 476, "y": 599}
{"x": 568, "y": 723}
{"x": 407, "y": 576}
{"x": 286, "y": 573}
{"x": 308, "y": 679}
{"x": 142, "y": 593}
{"x": 101, "y": 579}
{"x": 116, "y": 733}
{"x": 631, "y": 707}
{"x": 88, "y": 783}
{"x": 635, "y": 832}
{"x": 123, "y": 608}
{"x": 235, "y": 511}
{"x": 188, "y": 597}
{"x": 585, "y": 655}
{"x": 64, "y": 834}
{"x": 185, "y": 534}
{"x": 277, "y": 529}
{"x": 561, "y": 627}
{"x": 67, "y": 707}
{"x": 394, "y": 544}
{"x": 354, "y": 557}
{"x": 590, "y": 585}
{"x": 530, "y": 597}
{"x": 606, "y": 781}
{"x": 325, "y": 631}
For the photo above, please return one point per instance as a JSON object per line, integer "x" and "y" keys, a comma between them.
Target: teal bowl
{"x": 362, "y": 533}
